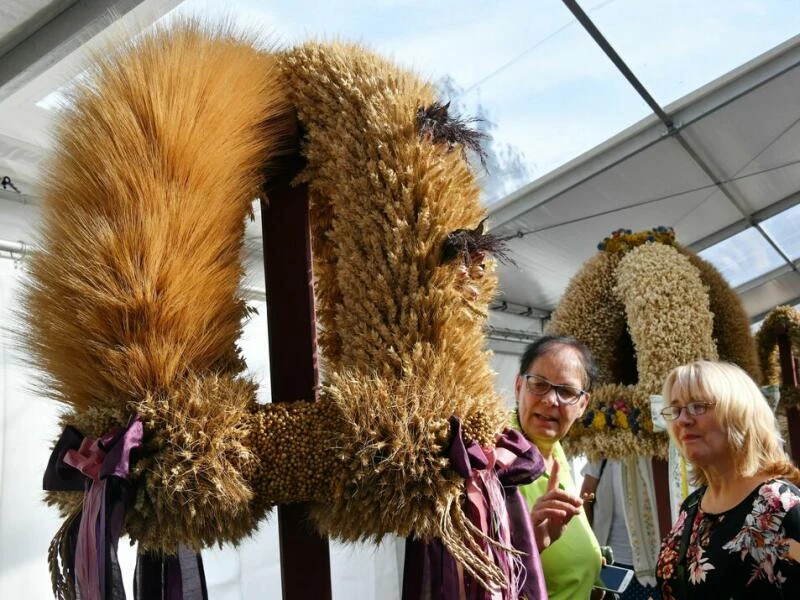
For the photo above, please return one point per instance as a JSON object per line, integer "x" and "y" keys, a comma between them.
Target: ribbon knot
{"x": 87, "y": 544}
{"x": 88, "y": 458}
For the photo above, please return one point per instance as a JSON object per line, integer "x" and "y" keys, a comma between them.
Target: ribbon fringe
{"x": 485, "y": 548}
{"x": 82, "y": 556}
{"x": 459, "y": 538}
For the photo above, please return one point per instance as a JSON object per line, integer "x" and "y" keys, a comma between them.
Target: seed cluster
{"x": 192, "y": 480}
{"x": 292, "y": 441}
{"x": 481, "y": 425}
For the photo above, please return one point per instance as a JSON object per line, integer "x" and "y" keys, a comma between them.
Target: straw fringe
{"x": 458, "y": 535}
{"x": 61, "y": 577}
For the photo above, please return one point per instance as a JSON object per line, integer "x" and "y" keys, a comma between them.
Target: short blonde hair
{"x": 741, "y": 410}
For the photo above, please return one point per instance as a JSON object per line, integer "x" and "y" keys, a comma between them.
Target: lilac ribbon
{"x": 99, "y": 468}
{"x": 494, "y": 505}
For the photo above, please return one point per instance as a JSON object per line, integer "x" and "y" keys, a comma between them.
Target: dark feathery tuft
{"x": 466, "y": 243}
{"x": 436, "y": 124}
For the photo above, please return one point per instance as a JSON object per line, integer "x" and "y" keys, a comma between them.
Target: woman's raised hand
{"x": 553, "y": 511}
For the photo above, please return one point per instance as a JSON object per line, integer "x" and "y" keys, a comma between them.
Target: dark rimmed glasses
{"x": 539, "y": 386}
{"x": 671, "y": 413}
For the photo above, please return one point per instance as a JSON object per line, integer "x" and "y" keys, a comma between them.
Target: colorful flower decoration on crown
{"x": 622, "y": 240}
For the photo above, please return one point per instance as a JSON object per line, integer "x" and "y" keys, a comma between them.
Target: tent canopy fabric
{"x": 744, "y": 130}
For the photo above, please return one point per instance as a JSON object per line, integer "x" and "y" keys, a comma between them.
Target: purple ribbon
{"x": 174, "y": 577}
{"x": 100, "y": 468}
{"x": 432, "y": 572}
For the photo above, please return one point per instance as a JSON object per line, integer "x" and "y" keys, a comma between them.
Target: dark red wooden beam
{"x": 788, "y": 380}
{"x": 305, "y": 558}
{"x": 661, "y": 487}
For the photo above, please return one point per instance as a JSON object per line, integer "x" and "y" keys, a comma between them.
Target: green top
{"x": 572, "y": 563}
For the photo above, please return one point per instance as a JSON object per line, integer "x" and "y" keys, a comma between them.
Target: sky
{"x": 549, "y": 91}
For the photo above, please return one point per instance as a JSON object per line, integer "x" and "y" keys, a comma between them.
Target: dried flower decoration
{"x": 472, "y": 245}
{"x": 435, "y": 123}
{"x": 643, "y": 305}
{"x": 731, "y": 324}
{"x": 616, "y": 424}
{"x": 623, "y": 240}
{"x": 402, "y": 351}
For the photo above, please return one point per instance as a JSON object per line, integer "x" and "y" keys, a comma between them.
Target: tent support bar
{"x": 763, "y": 315}
{"x": 762, "y": 279}
{"x": 623, "y": 68}
{"x": 757, "y": 217}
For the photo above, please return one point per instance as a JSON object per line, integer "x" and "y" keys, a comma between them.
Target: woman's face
{"x": 700, "y": 438}
{"x": 543, "y": 418}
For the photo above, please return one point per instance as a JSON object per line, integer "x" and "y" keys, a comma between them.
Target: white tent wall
{"x": 508, "y": 333}
{"x": 506, "y": 365}
{"x": 28, "y": 425}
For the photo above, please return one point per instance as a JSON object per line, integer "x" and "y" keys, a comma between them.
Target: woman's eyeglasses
{"x": 539, "y": 386}
{"x": 671, "y": 413}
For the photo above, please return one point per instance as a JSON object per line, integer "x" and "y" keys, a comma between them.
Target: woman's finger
{"x": 564, "y": 507}
{"x": 552, "y": 484}
{"x": 549, "y": 514}
{"x": 563, "y": 496}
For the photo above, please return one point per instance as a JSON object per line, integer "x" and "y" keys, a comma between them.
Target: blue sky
{"x": 548, "y": 88}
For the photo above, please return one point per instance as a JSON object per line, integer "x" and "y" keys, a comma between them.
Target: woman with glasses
{"x": 738, "y": 535}
{"x": 551, "y": 390}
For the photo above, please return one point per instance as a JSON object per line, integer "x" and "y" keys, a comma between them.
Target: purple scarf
{"x": 494, "y": 505}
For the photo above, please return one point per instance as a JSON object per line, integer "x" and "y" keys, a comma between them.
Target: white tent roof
{"x": 744, "y": 130}
{"x": 39, "y": 52}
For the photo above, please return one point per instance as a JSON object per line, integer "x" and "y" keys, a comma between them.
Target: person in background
{"x": 552, "y": 391}
{"x": 738, "y": 535}
{"x": 603, "y": 484}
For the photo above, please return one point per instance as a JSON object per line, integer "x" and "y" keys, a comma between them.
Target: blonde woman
{"x": 738, "y": 535}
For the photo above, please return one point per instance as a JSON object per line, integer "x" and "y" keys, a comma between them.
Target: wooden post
{"x": 305, "y": 559}
{"x": 789, "y": 380}
{"x": 661, "y": 488}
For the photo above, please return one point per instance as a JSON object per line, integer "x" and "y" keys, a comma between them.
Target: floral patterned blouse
{"x": 741, "y": 553}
